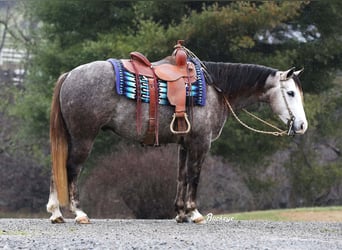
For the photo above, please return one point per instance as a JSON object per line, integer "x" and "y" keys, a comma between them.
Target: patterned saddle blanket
{"x": 126, "y": 85}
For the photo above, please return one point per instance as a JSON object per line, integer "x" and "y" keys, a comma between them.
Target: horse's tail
{"x": 59, "y": 145}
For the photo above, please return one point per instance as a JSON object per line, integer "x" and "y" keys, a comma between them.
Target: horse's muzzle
{"x": 296, "y": 127}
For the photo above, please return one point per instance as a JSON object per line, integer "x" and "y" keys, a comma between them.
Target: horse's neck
{"x": 240, "y": 102}
{"x": 246, "y": 96}
{"x": 242, "y": 84}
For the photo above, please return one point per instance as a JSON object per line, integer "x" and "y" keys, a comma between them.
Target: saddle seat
{"x": 178, "y": 74}
{"x": 166, "y": 71}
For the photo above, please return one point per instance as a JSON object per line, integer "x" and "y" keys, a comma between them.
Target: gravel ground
{"x": 167, "y": 234}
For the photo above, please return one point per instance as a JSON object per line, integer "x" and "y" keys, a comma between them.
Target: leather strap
{"x": 152, "y": 137}
{"x": 181, "y": 123}
{"x": 153, "y": 125}
{"x": 176, "y": 93}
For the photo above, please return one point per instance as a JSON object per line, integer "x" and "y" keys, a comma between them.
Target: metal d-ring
{"x": 180, "y": 132}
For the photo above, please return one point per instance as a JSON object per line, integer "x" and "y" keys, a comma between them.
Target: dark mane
{"x": 233, "y": 78}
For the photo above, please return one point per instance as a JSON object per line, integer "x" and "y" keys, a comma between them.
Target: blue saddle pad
{"x": 126, "y": 85}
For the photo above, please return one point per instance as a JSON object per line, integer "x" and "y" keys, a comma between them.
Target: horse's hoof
{"x": 57, "y": 220}
{"x": 199, "y": 220}
{"x": 197, "y": 217}
{"x": 82, "y": 220}
{"x": 182, "y": 218}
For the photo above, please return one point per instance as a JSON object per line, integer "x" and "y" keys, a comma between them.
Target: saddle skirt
{"x": 126, "y": 83}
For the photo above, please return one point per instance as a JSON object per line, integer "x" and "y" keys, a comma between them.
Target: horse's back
{"x": 87, "y": 80}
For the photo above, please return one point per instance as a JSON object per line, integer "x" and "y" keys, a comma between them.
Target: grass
{"x": 326, "y": 214}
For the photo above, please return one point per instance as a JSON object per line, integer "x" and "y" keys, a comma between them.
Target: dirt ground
{"x": 167, "y": 234}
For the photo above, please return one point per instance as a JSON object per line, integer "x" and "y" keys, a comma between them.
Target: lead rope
{"x": 279, "y": 132}
{"x": 275, "y": 133}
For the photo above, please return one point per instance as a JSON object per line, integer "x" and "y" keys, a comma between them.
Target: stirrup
{"x": 187, "y": 123}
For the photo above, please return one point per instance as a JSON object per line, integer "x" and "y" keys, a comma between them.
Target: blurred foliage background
{"x": 59, "y": 35}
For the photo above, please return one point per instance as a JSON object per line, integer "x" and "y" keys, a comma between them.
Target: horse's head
{"x": 286, "y": 99}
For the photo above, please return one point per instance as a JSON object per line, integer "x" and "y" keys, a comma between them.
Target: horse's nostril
{"x": 303, "y": 126}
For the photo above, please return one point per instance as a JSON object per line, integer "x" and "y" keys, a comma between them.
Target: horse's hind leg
{"x": 79, "y": 152}
{"x": 53, "y": 204}
{"x": 77, "y": 155}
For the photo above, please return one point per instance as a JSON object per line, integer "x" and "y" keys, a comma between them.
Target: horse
{"x": 85, "y": 102}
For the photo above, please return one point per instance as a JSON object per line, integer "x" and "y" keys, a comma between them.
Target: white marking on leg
{"x": 80, "y": 213}
{"x": 81, "y": 217}
{"x": 197, "y": 217}
{"x": 53, "y": 207}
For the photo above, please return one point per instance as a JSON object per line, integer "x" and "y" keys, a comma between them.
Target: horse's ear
{"x": 286, "y": 74}
{"x": 298, "y": 72}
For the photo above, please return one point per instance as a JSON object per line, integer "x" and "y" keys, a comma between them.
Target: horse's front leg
{"x": 181, "y": 186}
{"x": 196, "y": 156}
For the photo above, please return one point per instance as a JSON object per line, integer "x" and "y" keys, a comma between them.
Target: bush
{"x": 137, "y": 182}
{"x": 132, "y": 182}
{"x": 24, "y": 185}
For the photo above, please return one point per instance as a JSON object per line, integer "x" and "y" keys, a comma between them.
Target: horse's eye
{"x": 291, "y": 93}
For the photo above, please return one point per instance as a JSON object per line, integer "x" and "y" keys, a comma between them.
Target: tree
{"x": 226, "y": 32}
{"x": 4, "y": 21}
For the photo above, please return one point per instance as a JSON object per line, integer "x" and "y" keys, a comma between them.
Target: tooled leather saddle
{"x": 179, "y": 75}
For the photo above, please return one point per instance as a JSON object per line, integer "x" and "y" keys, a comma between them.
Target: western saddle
{"x": 178, "y": 76}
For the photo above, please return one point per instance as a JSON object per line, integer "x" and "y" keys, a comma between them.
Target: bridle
{"x": 290, "y": 122}
{"x": 278, "y": 132}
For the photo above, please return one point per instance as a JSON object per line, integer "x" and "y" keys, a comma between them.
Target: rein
{"x": 279, "y": 132}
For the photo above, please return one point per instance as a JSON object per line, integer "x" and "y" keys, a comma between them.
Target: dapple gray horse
{"x": 85, "y": 101}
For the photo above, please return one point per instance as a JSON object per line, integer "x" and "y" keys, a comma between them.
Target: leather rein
{"x": 278, "y": 131}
